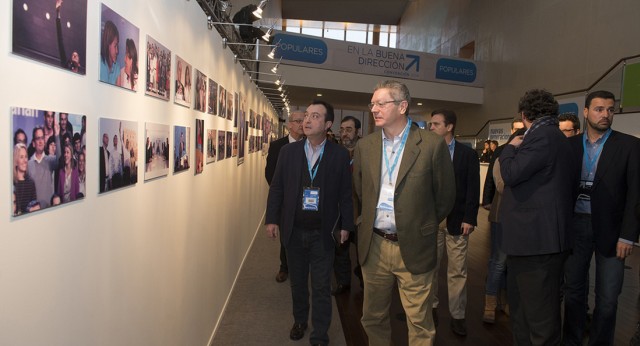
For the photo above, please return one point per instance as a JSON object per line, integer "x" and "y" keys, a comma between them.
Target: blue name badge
{"x": 310, "y": 198}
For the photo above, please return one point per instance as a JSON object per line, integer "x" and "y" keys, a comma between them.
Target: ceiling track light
{"x": 258, "y": 11}
{"x": 226, "y": 43}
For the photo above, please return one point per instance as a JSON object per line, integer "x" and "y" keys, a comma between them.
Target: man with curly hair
{"x": 537, "y": 204}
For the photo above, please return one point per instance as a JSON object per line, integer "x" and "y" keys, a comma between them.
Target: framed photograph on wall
{"x": 211, "y": 145}
{"x": 119, "y": 43}
{"x": 200, "y": 94}
{"x": 181, "y": 147}
{"x": 222, "y": 140}
{"x": 158, "y": 70}
{"x": 118, "y": 154}
{"x": 182, "y": 83}
{"x": 156, "y": 151}
{"x": 222, "y": 102}
{"x": 51, "y": 32}
{"x": 230, "y": 105}
{"x": 199, "y": 145}
{"x": 49, "y": 159}
{"x": 212, "y": 104}
{"x": 229, "y": 145}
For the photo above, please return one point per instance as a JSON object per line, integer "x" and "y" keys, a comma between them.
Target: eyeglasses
{"x": 382, "y": 104}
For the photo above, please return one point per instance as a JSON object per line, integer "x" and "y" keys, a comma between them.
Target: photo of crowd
{"x": 119, "y": 44}
{"x": 51, "y": 32}
{"x": 200, "y": 96}
{"x": 221, "y": 145}
{"x": 183, "y": 83}
{"x": 211, "y": 145}
{"x": 158, "y": 70}
{"x": 118, "y": 154}
{"x": 181, "y": 146}
{"x": 49, "y": 159}
{"x": 199, "y": 145}
{"x": 213, "y": 98}
{"x": 156, "y": 151}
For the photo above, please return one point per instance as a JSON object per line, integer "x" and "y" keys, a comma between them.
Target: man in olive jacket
{"x": 404, "y": 182}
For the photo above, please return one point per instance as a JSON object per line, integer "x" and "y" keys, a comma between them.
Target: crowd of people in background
{"x": 556, "y": 197}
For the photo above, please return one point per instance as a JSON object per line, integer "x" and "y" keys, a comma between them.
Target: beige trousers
{"x": 383, "y": 267}
{"x": 456, "y": 271}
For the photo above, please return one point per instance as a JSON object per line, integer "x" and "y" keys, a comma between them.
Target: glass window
{"x": 357, "y": 32}
{"x": 336, "y": 34}
{"x": 312, "y": 31}
{"x": 384, "y": 39}
{"x": 293, "y": 25}
{"x": 392, "y": 40}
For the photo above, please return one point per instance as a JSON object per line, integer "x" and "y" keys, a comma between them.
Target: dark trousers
{"x": 283, "y": 258}
{"x": 342, "y": 264}
{"x": 308, "y": 254}
{"x": 533, "y": 289}
{"x": 609, "y": 278}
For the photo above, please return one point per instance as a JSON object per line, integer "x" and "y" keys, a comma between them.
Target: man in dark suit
{"x": 460, "y": 222}
{"x": 604, "y": 220}
{"x": 310, "y": 191}
{"x": 105, "y": 164}
{"x": 535, "y": 212}
{"x": 403, "y": 178}
{"x": 294, "y": 124}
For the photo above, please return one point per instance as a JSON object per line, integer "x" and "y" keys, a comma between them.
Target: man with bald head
{"x": 294, "y": 125}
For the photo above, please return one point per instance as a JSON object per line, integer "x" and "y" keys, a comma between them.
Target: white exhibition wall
{"x": 150, "y": 264}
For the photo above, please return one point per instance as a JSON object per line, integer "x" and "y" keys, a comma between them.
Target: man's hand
{"x": 344, "y": 236}
{"x": 516, "y": 141}
{"x": 623, "y": 250}
{"x": 466, "y": 228}
{"x": 272, "y": 230}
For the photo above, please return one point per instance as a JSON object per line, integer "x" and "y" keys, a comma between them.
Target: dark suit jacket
{"x": 424, "y": 195}
{"x": 333, "y": 179}
{"x": 466, "y": 168}
{"x": 538, "y": 197}
{"x": 103, "y": 168}
{"x": 615, "y": 192}
{"x": 272, "y": 157}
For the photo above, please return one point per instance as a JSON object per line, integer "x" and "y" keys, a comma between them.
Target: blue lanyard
{"x": 590, "y": 162}
{"x": 313, "y": 171}
{"x": 395, "y": 160}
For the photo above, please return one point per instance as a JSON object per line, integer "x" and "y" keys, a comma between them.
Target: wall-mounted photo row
{"x": 211, "y": 145}
{"x": 119, "y": 42}
{"x": 118, "y": 154}
{"x": 200, "y": 96}
{"x": 183, "y": 83}
{"x": 212, "y": 105}
{"x": 181, "y": 147}
{"x": 49, "y": 159}
{"x": 229, "y": 145}
{"x": 199, "y": 145}
{"x": 158, "y": 70}
{"x": 48, "y": 32}
{"x": 156, "y": 151}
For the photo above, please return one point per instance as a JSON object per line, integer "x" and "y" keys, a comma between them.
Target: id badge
{"x": 310, "y": 198}
{"x": 385, "y": 202}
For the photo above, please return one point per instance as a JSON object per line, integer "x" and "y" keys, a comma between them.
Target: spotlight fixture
{"x": 272, "y": 54}
{"x": 275, "y": 68}
{"x": 258, "y": 11}
{"x": 278, "y": 81}
{"x": 267, "y": 36}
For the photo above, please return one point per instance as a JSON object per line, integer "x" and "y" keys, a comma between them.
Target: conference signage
{"x": 309, "y": 51}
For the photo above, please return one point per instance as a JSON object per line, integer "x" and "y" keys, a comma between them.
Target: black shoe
{"x": 282, "y": 276}
{"x": 341, "y": 289}
{"x": 434, "y": 313}
{"x": 459, "y": 326}
{"x": 297, "y": 331}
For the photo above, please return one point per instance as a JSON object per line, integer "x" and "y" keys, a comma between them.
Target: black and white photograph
{"x": 182, "y": 83}
{"x": 156, "y": 151}
{"x": 119, "y": 46}
{"x": 49, "y": 159}
{"x": 118, "y": 154}
{"x": 181, "y": 146}
{"x": 158, "y": 70}
{"x": 51, "y": 32}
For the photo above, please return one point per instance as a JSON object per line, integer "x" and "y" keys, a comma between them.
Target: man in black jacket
{"x": 294, "y": 124}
